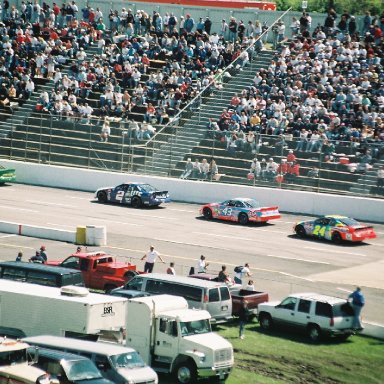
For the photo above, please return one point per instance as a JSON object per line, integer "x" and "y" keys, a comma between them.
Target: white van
{"x": 115, "y": 362}
{"x": 201, "y": 294}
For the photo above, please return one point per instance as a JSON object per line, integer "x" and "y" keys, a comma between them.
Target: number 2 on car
{"x": 319, "y": 230}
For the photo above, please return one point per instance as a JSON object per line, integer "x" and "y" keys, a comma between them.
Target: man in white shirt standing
{"x": 151, "y": 257}
{"x": 202, "y": 265}
{"x": 245, "y": 272}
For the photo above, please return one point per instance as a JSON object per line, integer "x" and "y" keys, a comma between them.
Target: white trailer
{"x": 33, "y": 309}
{"x": 174, "y": 339}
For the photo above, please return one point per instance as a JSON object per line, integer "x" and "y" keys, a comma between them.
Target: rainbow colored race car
{"x": 335, "y": 228}
{"x": 242, "y": 210}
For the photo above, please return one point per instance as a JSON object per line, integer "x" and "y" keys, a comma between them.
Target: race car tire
{"x": 243, "y": 219}
{"x": 136, "y": 202}
{"x": 336, "y": 237}
{"x": 300, "y": 231}
{"x": 102, "y": 197}
{"x": 207, "y": 214}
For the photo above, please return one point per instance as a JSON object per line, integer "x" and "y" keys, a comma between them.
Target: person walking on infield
{"x": 243, "y": 317}
{"x": 245, "y": 272}
{"x": 357, "y": 301}
{"x": 151, "y": 257}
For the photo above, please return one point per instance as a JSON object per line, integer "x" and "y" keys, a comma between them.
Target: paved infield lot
{"x": 280, "y": 262}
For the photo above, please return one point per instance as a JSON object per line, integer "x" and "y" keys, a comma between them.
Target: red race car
{"x": 242, "y": 210}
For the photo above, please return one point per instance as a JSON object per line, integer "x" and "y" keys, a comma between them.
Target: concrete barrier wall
{"x": 201, "y": 192}
{"x": 96, "y": 236}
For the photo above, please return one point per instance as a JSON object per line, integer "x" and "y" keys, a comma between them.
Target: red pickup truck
{"x": 99, "y": 270}
{"x": 238, "y": 295}
{"x": 253, "y": 298}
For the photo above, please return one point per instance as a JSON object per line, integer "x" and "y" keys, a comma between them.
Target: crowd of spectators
{"x": 38, "y": 40}
{"x": 324, "y": 87}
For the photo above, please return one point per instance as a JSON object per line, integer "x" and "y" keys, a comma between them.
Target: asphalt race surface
{"x": 281, "y": 263}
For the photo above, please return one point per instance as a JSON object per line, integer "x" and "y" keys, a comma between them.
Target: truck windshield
{"x": 81, "y": 370}
{"x": 13, "y": 357}
{"x": 189, "y": 328}
{"x": 127, "y": 360}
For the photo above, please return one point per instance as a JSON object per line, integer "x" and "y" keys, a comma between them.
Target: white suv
{"x": 317, "y": 315}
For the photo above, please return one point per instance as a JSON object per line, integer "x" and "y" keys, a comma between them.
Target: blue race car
{"x": 134, "y": 194}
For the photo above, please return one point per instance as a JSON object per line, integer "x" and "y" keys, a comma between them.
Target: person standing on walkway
{"x": 358, "y": 302}
{"x": 19, "y": 256}
{"x": 43, "y": 253}
{"x": 243, "y": 317}
{"x": 244, "y": 272}
{"x": 151, "y": 257}
{"x": 202, "y": 265}
{"x": 171, "y": 269}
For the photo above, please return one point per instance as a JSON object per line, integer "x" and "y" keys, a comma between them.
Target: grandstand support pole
{"x": 318, "y": 177}
{"x": 89, "y": 146}
{"x": 123, "y": 133}
{"x": 50, "y": 140}
{"x": 40, "y": 137}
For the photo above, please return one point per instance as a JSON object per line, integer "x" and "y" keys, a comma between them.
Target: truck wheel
{"x": 207, "y": 214}
{"x": 265, "y": 321}
{"x": 314, "y": 332}
{"x": 102, "y": 197}
{"x": 243, "y": 219}
{"x": 136, "y": 202}
{"x": 108, "y": 288}
{"x": 186, "y": 373}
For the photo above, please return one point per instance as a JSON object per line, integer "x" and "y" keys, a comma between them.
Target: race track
{"x": 280, "y": 262}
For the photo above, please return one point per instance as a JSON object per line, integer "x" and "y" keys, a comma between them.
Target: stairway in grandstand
{"x": 366, "y": 183}
{"x": 193, "y": 130}
{"x": 21, "y": 113}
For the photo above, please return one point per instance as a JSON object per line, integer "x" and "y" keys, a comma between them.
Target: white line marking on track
{"x": 296, "y": 277}
{"x": 48, "y": 203}
{"x": 15, "y": 246}
{"x": 181, "y": 210}
{"x": 18, "y": 209}
{"x": 297, "y": 259}
{"x": 78, "y": 198}
{"x": 328, "y": 250}
{"x": 224, "y": 236}
{"x": 343, "y": 289}
{"x": 264, "y": 230}
{"x": 193, "y": 244}
{"x": 5, "y": 236}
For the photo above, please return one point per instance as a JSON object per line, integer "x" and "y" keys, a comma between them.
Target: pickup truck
{"x": 254, "y": 298}
{"x": 238, "y": 295}
{"x": 99, "y": 270}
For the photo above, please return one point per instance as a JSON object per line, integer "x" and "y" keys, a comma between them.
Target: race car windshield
{"x": 196, "y": 327}
{"x": 251, "y": 204}
{"x": 348, "y": 221}
{"x": 146, "y": 188}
